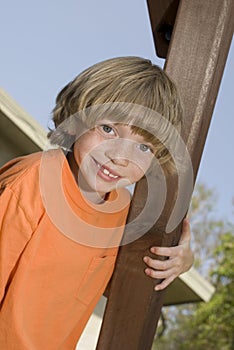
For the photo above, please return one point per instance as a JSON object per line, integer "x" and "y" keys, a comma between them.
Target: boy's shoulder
{"x": 16, "y": 169}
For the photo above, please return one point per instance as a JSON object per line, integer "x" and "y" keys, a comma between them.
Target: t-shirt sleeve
{"x": 15, "y": 232}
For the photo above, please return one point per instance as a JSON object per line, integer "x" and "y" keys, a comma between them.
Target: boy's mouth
{"x": 106, "y": 171}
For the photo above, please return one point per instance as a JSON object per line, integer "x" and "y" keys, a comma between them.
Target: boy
{"x": 63, "y": 211}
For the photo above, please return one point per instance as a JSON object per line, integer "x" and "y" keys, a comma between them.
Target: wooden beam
{"x": 162, "y": 17}
{"x": 196, "y": 58}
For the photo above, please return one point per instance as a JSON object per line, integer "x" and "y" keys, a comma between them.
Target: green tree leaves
{"x": 208, "y": 326}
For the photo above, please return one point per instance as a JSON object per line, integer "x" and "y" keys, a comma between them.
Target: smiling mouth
{"x": 107, "y": 171}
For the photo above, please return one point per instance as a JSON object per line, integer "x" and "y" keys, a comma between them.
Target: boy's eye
{"x": 107, "y": 129}
{"x": 144, "y": 148}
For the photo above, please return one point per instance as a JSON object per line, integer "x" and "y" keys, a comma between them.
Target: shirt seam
{"x": 20, "y": 207}
{"x": 21, "y": 176}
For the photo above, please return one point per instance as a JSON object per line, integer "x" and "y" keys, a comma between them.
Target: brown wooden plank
{"x": 162, "y": 17}
{"x": 196, "y": 59}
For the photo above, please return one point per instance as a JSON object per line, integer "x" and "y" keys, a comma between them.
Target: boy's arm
{"x": 15, "y": 232}
{"x": 180, "y": 259}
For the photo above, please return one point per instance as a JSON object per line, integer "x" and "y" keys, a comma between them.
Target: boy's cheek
{"x": 144, "y": 167}
{"x": 143, "y": 161}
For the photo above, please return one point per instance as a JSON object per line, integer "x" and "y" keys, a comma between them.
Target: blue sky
{"x": 46, "y": 44}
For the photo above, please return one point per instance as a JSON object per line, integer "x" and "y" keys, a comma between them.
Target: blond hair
{"x": 117, "y": 86}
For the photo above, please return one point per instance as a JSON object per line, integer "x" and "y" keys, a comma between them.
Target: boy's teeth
{"x": 105, "y": 171}
{"x": 114, "y": 176}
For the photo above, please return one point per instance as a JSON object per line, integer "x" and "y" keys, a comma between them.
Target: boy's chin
{"x": 122, "y": 183}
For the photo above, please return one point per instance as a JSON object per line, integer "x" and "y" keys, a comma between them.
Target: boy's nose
{"x": 120, "y": 161}
{"x": 117, "y": 156}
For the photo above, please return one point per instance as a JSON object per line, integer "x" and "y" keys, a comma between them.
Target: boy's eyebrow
{"x": 109, "y": 121}
{"x": 149, "y": 143}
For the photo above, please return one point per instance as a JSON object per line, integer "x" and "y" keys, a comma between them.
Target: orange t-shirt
{"x": 57, "y": 252}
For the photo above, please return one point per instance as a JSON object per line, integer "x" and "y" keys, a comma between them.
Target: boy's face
{"x": 111, "y": 156}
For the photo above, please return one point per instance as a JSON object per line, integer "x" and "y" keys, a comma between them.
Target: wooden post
{"x": 196, "y": 58}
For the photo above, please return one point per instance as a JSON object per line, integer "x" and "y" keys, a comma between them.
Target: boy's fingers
{"x": 164, "y": 283}
{"x": 173, "y": 251}
{"x": 156, "y": 274}
{"x": 163, "y": 251}
{"x": 159, "y": 264}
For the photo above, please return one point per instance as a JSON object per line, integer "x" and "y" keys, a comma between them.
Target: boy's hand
{"x": 180, "y": 259}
